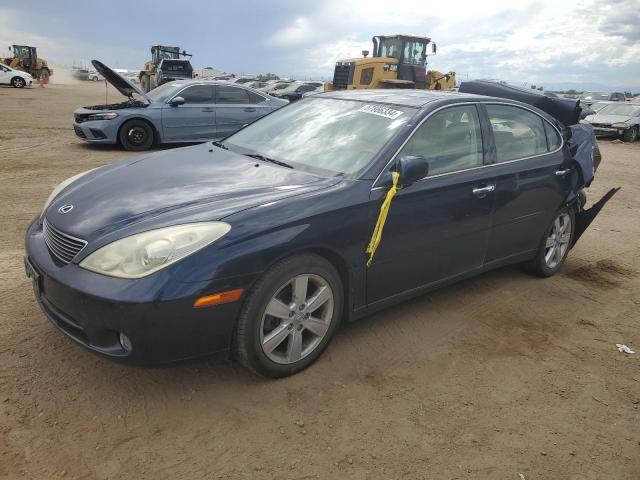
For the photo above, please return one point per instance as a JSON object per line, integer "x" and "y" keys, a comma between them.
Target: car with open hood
{"x": 327, "y": 210}
{"x": 617, "y": 119}
{"x": 180, "y": 111}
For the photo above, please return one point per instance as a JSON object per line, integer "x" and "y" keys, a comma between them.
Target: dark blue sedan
{"x": 263, "y": 243}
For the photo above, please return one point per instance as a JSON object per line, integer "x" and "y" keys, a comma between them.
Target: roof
{"x": 397, "y": 96}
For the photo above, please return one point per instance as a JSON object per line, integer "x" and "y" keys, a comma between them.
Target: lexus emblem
{"x": 65, "y": 209}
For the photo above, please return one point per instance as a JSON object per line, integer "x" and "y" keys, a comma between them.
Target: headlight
{"x": 144, "y": 253}
{"x": 64, "y": 184}
{"x": 621, "y": 125}
{"x": 102, "y": 116}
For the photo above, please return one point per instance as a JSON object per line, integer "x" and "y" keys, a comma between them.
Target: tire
{"x": 273, "y": 319}
{"x": 136, "y": 135}
{"x": 630, "y": 135}
{"x": 18, "y": 82}
{"x": 554, "y": 247}
{"x": 95, "y": 79}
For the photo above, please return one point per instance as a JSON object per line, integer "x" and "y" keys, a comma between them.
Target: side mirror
{"x": 176, "y": 101}
{"x": 412, "y": 169}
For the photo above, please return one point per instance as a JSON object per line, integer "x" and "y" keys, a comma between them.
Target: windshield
{"x": 163, "y": 92}
{"x": 620, "y": 109}
{"x": 323, "y": 135}
{"x": 415, "y": 52}
{"x": 596, "y": 107}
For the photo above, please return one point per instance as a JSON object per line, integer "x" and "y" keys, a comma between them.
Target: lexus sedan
{"x": 184, "y": 111}
{"x": 265, "y": 242}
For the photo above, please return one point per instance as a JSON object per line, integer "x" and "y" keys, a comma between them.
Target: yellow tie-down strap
{"x": 382, "y": 218}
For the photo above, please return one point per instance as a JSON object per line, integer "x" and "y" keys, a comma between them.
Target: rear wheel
{"x": 555, "y": 245}
{"x": 18, "y": 82}
{"x": 136, "y": 135}
{"x": 630, "y": 135}
{"x": 289, "y": 317}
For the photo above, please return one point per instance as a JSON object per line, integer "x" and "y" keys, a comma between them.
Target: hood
{"x": 124, "y": 86}
{"x": 609, "y": 119}
{"x": 191, "y": 184}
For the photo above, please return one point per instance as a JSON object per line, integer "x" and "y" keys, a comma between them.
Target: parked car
{"x": 13, "y": 77}
{"x": 276, "y": 85}
{"x": 295, "y": 90}
{"x": 591, "y": 97}
{"x": 181, "y": 111}
{"x": 94, "y": 76}
{"x": 617, "y": 119}
{"x": 258, "y": 243}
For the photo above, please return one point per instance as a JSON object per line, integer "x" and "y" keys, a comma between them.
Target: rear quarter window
{"x": 553, "y": 138}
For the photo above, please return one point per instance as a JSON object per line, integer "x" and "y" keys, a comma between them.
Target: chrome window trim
{"x": 465, "y": 103}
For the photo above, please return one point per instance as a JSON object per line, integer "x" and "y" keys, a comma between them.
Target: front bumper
{"x": 608, "y": 131}
{"x": 156, "y": 312}
{"x": 97, "y": 131}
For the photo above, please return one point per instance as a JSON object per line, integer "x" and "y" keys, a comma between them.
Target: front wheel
{"x": 136, "y": 135}
{"x": 555, "y": 245}
{"x": 289, "y": 316}
{"x": 18, "y": 82}
{"x": 630, "y": 134}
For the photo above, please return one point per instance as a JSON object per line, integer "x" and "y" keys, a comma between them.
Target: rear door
{"x": 236, "y": 107}
{"x": 195, "y": 120}
{"x": 437, "y": 228}
{"x": 531, "y": 180}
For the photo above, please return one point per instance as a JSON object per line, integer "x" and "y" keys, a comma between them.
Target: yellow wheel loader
{"x": 398, "y": 61}
{"x": 26, "y": 59}
{"x": 166, "y": 65}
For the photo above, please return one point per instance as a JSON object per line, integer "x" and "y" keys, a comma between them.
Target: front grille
{"x": 342, "y": 76}
{"x": 64, "y": 247}
{"x": 79, "y": 131}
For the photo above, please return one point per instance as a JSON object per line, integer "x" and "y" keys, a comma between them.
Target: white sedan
{"x": 13, "y": 77}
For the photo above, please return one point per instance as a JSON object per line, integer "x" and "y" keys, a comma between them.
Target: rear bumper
{"x": 156, "y": 312}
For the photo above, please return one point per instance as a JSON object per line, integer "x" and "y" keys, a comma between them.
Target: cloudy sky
{"x": 547, "y": 42}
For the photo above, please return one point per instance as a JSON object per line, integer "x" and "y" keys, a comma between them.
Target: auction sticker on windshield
{"x": 381, "y": 111}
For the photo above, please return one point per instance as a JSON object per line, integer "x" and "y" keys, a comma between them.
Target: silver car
{"x": 185, "y": 111}
{"x": 617, "y": 119}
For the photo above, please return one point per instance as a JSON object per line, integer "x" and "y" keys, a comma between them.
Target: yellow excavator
{"x": 25, "y": 58}
{"x": 398, "y": 61}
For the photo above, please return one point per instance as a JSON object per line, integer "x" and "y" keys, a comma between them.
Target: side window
{"x": 197, "y": 94}
{"x": 553, "y": 138}
{"x": 518, "y": 133}
{"x": 232, "y": 95}
{"x": 255, "y": 98}
{"x": 366, "y": 76}
{"x": 450, "y": 140}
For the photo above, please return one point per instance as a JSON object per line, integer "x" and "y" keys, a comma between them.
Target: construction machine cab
{"x": 167, "y": 64}
{"x": 27, "y": 55}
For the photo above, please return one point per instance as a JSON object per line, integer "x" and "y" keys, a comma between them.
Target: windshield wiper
{"x": 220, "y": 144}
{"x": 267, "y": 159}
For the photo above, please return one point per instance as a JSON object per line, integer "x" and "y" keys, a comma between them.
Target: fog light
{"x": 125, "y": 342}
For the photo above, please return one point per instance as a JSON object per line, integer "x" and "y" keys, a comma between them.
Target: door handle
{"x": 562, "y": 173}
{"x": 249, "y": 109}
{"x": 483, "y": 190}
{"x": 207, "y": 109}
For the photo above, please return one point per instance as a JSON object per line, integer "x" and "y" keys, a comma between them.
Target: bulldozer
{"x": 166, "y": 65}
{"x": 25, "y": 58}
{"x": 398, "y": 61}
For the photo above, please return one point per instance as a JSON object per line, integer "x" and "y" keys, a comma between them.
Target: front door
{"x": 437, "y": 228}
{"x": 195, "y": 120}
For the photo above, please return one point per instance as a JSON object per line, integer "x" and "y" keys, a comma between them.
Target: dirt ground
{"x": 503, "y": 376}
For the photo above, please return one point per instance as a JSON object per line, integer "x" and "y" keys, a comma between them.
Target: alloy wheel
{"x": 18, "y": 82}
{"x": 296, "y": 319}
{"x": 557, "y": 242}
{"x": 137, "y": 135}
